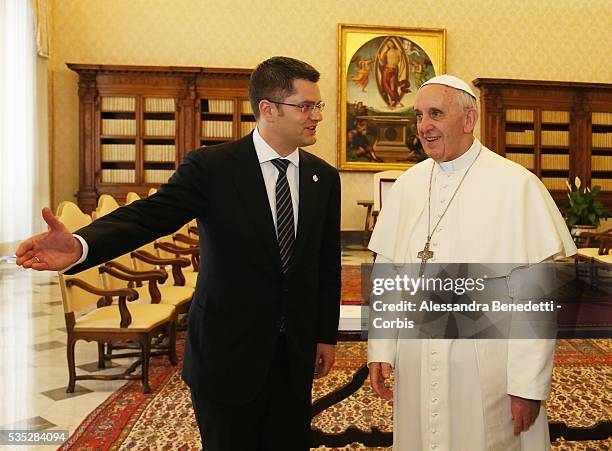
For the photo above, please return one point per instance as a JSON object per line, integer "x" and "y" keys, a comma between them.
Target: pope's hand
{"x": 52, "y": 250}
{"x": 379, "y": 373}
{"x": 524, "y": 412}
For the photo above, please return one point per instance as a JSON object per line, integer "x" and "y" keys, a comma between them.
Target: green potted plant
{"x": 584, "y": 211}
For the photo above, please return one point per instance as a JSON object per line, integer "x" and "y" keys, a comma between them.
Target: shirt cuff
{"x": 83, "y": 255}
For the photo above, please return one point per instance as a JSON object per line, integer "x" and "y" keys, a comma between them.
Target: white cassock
{"x": 453, "y": 394}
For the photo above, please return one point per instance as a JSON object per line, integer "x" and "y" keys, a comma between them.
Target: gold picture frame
{"x": 380, "y": 69}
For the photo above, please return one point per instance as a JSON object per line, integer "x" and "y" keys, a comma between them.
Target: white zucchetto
{"x": 452, "y": 81}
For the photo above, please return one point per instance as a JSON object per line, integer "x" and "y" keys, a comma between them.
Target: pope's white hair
{"x": 465, "y": 100}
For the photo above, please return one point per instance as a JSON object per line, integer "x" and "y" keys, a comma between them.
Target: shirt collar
{"x": 462, "y": 161}
{"x": 266, "y": 153}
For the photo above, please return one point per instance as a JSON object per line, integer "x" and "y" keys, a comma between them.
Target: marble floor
{"x": 33, "y": 365}
{"x": 33, "y": 369}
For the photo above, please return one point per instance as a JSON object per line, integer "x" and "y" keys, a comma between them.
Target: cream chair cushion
{"x": 588, "y": 252}
{"x": 145, "y": 317}
{"x": 593, "y": 253}
{"x": 605, "y": 259}
{"x": 191, "y": 277}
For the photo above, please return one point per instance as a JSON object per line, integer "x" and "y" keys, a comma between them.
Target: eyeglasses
{"x": 305, "y": 107}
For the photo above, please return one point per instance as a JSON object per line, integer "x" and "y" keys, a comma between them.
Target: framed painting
{"x": 379, "y": 71}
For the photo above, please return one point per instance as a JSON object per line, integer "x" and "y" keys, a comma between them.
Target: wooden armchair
{"x": 596, "y": 253}
{"x": 92, "y": 315}
{"x": 131, "y": 197}
{"x": 120, "y": 273}
{"x": 148, "y": 284}
{"x": 106, "y": 204}
{"x": 593, "y": 245}
{"x": 381, "y": 184}
{"x": 169, "y": 249}
{"x": 165, "y": 252}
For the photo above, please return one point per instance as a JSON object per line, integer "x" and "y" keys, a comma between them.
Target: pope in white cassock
{"x": 466, "y": 204}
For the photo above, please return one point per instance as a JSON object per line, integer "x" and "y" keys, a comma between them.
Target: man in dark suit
{"x": 265, "y": 312}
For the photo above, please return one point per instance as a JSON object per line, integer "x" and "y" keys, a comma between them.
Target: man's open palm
{"x": 52, "y": 250}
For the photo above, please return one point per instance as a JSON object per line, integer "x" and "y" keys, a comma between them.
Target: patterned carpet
{"x": 130, "y": 420}
{"x": 351, "y": 285}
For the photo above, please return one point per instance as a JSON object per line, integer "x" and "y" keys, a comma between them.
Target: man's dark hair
{"x": 273, "y": 79}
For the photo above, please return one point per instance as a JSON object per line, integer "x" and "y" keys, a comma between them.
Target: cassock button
{"x": 434, "y": 384}
{"x": 434, "y": 368}
{"x": 434, "y": 399}
{"x": 434, "y": 415}
{"x": 433, "y": 431}
{"x": 434, "y": 446}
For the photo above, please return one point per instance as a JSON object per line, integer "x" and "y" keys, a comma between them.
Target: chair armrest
{"x": 155, "y": 260}
{"x": 134, "y": 272}
{"x": 195, "y": 262}
{"x": 597, "y": 237}
{"x": 174, "y": 249}
{"x": 144, "y": 276}
{"x": 124, "y": 294}
{"x": 177, "y": 264}
{"x": 181, "y": 238}
{"x": 129, "y": 293}
{"x": 194, "y": 252}
{"x": 606, "y": 246}
{"x": 149, "y": 276}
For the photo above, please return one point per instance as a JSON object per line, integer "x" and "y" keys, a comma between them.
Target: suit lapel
{"x": 252, "y": 189}
{"x": 307, "y": 205}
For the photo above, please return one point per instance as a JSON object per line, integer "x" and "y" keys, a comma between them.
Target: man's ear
{"x": 471, "y": 118}
{"x": 266, "y": 111}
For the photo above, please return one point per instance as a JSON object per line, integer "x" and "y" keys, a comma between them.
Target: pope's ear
{"x": 471, "y": 118}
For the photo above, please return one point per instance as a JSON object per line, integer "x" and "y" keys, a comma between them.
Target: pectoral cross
{"x": 424, "y": 255}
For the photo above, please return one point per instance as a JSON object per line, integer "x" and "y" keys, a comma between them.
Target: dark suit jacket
{"x": 241, "y": 292}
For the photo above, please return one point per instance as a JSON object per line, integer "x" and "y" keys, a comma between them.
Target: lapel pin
{"x": 315, "y": 178}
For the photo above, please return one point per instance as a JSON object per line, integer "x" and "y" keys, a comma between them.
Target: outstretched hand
{"x": 53, "y": 250}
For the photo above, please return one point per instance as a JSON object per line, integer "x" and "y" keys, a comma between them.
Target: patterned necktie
{"x": 285, "y": 230}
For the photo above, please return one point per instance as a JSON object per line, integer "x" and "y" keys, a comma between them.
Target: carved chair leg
{"x": 172, "y": 342}
{"x": 576, "y": 270}
{"x": 181, "y": 324}
{"x": 71, "y": 365}
{"x": 145, "y": 344}
{"x": 101, "y": 363}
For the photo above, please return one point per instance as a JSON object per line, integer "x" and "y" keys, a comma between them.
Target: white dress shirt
{"x": 265, "y": 155}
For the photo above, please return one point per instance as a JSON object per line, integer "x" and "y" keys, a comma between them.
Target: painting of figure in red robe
{"x": 379, "y": 84}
